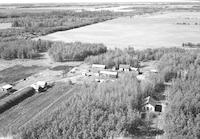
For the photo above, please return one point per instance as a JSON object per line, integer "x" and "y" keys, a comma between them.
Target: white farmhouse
{"x": 151, "y": 105}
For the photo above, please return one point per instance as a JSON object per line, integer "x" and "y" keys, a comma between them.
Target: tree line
{"x": 183, "y": 113}
{"x": 34, "y": 24}
{"x": 182, "y": 70}
{"x": 23, "y": 49}
{"x": 76, "y": 51}
{"x": 130, "y": 56}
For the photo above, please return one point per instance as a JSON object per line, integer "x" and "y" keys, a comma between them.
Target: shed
{"x": 99, "y": 66}
{"x": 7, "y": 88}
{"x": 42, "y": 84}
{"x": 39, "y": 86}
{"x": 123, "y": 67}
{"x": 109, "y": 73}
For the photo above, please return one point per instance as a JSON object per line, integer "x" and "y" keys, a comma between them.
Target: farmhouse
{"x": 99, "y": 66}
{"x": 123, "y": 67}
{"x": 109, "y": 74}
{"x": 151, "y": 105}
{"x": 7, "y": 88}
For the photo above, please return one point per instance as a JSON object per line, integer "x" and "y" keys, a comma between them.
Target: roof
{"x": 109, "y": 73}
{"x": 98, "y": 66}
{"x": 150, "y": 100}
{"x": 41, "y": 83}
{"x": 124, "y": 66}
{"x": 7, "y": 86}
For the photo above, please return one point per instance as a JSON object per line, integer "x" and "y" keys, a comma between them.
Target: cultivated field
{"x": 147, "y": 31}
{"x": 21, "y": 114}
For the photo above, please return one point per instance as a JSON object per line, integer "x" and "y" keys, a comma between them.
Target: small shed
{"x": 99, "y": 66}
{"x": 7, "y": 88}
{"x": 123, "y": 67}
{"x": 109, "y": 74}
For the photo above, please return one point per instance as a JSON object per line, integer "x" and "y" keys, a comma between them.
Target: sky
{"x": 76, "y": 1}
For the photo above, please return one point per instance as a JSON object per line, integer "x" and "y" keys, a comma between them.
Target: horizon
{"x": 92, "y": 1}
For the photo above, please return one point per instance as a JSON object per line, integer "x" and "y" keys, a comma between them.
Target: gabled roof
{"x": 150, "y": 100}
{"x": 7, "y": 86}
{"x": 124, "y": 66}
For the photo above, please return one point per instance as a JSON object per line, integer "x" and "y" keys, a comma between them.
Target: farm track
{"x": 30, "y": 108}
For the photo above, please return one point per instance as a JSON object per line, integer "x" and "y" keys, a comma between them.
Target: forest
{"x": 183, "y": 113}
{"x": 95, "y": 111}
{"x": 23, "y": 49}
{"x": 76, "y": 51}
{"x": 33, "y": 24}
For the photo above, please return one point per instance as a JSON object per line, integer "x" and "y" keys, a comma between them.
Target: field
{"x": 18, "y": 72}
{"x": 5, "y": 25}
{"x": 140, "y": 32}
{"x": 18, "y": 116}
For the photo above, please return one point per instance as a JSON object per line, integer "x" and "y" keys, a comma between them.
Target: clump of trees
{"x": 74, "y": 51}
{"x": 191, "y": 45}
{"x": 114, "y": 58}
{"x": 130, "y": 56}
{"x": 95, "y": 111}
{"x": 23, "y": 49}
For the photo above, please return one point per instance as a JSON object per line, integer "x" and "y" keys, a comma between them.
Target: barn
{"x": 123, "y": 67}
{"x": 109, "y": 74}
{"x": 99, "y": 66}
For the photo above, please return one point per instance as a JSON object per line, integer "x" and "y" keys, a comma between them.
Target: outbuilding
{"x": 7, "y": 88}
{"x": 99, "y": 66}
{"x": 40, "y": 86}
{"x": 109, "y": 74}
{"x": 123, "y": 67}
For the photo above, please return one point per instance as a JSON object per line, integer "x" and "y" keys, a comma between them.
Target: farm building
{"x": 7, "y": 88}
{"x": 151, "y": 105}
{"x": 123, "y": 67}
{"x": 109, "y": 74}
{"x": 154, "y": 71}
{"x": 99, "y": 66}
{"x": 40, "y": 86}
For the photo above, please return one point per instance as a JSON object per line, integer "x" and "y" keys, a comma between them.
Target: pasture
{"x": 146, "y": 31}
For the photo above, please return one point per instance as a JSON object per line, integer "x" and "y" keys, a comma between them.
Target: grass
{"x": 62, "y": 67}
{"x": 18, "y": 72}
{"x": 19, "y": 115}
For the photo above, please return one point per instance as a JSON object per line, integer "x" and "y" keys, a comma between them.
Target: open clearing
{"x": 140, "y": 32}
